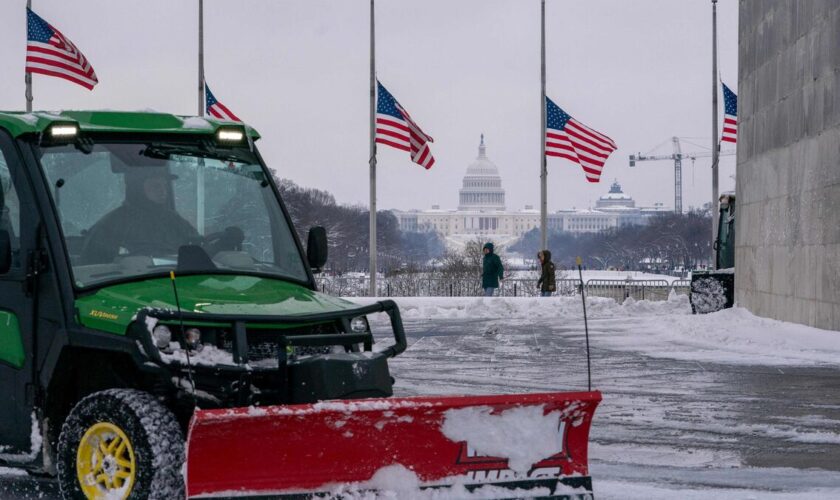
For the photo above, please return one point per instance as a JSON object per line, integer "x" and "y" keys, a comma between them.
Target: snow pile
{"x": 661, "y": 329}
{"x": 209, "y": 355}
{"x": 530, "y": 307}
{"x": 523, "y": 435}
{"x": 396, "y": 482}
{"x": 733, "y": 336}
{"x": 36, "y": 440}
{"x": 194, "y": 122}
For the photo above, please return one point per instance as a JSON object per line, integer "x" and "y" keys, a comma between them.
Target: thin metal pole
{"x": 201, "y": 101}
{"x": 372, "y": 267}
{"x": 201, "y": 105}
{"x": 579, "y": 262}
{"x": 715, "y": 142}
{"x": 543, "y": 169}
{"x": 28, "y": 76}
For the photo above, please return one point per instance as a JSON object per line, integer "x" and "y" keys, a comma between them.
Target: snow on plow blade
{"x": 528, "y": 441}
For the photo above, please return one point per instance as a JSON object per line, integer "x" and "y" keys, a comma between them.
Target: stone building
{"x": 787, "y": 241}
{"x": 482, "y": 211}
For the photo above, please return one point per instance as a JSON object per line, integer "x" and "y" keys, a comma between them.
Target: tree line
{"x": 667, "y": 242}
{"x": 348, "y": 232}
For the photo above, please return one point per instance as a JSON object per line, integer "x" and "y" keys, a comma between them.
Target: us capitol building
{"x": 482, "y": 211}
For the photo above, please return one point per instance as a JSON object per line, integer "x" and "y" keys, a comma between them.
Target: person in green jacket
{"x": 492, "y": 270}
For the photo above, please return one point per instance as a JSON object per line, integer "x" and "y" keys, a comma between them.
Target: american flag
{"x": 217, "y": 109}
{"x": 395, "y": 128}
{"x": 568, "y": 138}
{"x": 48, "y": 52}
{"x": 730, "y": 115}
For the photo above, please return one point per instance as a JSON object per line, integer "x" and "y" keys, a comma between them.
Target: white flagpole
{"x": 715, "y": 143}
{"x": 27, "y": 75}
{"x": 543, "y": 169}
{"x": 372, "y": 267}
{"x": 201, "y": 101}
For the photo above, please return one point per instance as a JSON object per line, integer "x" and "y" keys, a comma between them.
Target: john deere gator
{"x": 161, "y": 334}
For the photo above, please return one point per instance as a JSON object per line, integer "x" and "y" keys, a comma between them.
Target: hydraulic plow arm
{"x": 515, "y": 441}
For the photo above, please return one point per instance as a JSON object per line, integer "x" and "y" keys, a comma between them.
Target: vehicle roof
{"x": 20, "y": 123}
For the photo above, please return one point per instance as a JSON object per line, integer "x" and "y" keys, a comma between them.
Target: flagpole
{"x": 715, "y": 143}
{"x": 543, "y": 169}
{"x": 201, "y": 101}
{"x": 372, "y": 267}
{"x": 27, "y": 75}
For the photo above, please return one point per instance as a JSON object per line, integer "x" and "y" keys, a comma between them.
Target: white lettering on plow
{"x": 523, "y": 435}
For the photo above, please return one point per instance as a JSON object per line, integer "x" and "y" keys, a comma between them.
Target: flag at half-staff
{"x": 730, "y": 116}
{"x": 49, "y": 52}
{"x": 568, "y": 138}
{"x": 395, "y": 128}
{"x": 216, "y": 109}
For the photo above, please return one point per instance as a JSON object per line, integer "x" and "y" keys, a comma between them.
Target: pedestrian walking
{"x": 547, "y": 282}
{"x": 492, "y": 271}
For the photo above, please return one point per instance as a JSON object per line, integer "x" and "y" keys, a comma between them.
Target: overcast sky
{"x": 638, "y": 71}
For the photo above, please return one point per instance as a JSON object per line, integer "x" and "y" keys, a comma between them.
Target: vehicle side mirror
{"x": 316, "y": 248}
{"x": 5, "y": 251}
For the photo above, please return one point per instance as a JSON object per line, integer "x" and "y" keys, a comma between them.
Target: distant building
{"x": 482, "y": 211}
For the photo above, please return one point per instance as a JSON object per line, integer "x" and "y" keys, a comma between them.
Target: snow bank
{"x": 529, "y": 308}
{"x": 662, "y": 329}
{"x": 523, "y": 435}
{"x": 730, "y": 336}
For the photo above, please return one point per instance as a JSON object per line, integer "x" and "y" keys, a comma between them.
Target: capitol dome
{"x": 482, "y": 185}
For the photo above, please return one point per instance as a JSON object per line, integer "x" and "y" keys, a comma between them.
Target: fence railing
{"x": 411, "y": 286}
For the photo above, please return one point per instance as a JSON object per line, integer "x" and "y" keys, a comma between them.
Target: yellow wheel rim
{"x": 105, "y": 462}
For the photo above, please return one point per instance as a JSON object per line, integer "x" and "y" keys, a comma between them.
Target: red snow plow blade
{"x": 527, "y": 441}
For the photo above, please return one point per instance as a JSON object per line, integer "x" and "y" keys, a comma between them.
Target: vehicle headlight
{"x": 162, "y": 336}
{"x": 193, "y": 338}
{"x": 359, "y": 324}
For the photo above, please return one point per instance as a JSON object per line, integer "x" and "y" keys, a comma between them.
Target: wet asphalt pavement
{"x": 664, "y": 424}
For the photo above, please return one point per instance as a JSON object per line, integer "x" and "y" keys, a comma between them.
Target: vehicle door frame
{"x": 18, "y": 419}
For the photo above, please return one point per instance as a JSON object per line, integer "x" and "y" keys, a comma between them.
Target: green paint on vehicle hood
{"x": 18, "y": 123}
{"x": 111, "y": 309}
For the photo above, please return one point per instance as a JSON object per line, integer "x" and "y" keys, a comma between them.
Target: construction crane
{"x": 678, "y": 156}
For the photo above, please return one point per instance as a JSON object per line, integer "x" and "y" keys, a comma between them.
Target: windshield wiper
{"x": 204, "y": 149}
{"x": 164, "y": 151}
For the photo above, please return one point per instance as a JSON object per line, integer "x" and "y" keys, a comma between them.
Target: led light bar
{"x": 230, "y": 135}
{"x": 64, "y": 130}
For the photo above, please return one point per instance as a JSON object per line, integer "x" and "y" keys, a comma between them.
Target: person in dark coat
{"x": 145, "y": 224}
{"x": 547, "y": 281}
{"x": 492, "y": 270}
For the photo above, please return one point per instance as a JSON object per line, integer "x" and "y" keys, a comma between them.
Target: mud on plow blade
{"x": 507, "y": 446}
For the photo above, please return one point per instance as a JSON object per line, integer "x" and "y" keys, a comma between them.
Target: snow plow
{"x": 163, "y": 336}
{"x": 535, "y": 444}
{"x": 714, "y": 290}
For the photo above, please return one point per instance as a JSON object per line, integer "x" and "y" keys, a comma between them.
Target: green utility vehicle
{"x": 715, "y": 290}
{"x": 161, "y": 335}
{"x": 148, "y": 268}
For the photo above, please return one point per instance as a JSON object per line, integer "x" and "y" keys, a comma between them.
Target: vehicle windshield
{"x": 134, "y": 209}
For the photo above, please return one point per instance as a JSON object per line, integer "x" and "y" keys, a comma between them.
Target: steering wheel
{"x": 230, "y": 238}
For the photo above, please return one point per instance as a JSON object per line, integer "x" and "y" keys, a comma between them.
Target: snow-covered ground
{"x": 726, "y": 405}
{"x": 662, "y": 329}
